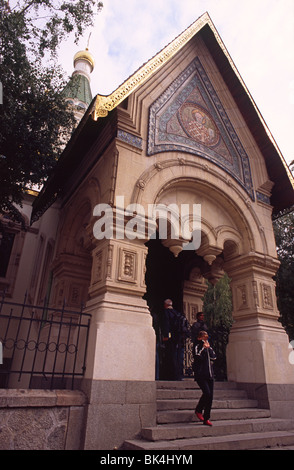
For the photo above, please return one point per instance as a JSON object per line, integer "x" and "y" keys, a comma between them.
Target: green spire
{"x": 78, "y": 91}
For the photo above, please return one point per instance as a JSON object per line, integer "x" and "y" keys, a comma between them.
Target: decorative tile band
{"x": 129, "y": 139}
{"x": 262, "y": 198}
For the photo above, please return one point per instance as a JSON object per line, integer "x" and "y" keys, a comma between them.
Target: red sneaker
{"x": 199, "y": 416}
{"x": 207, "y": 422}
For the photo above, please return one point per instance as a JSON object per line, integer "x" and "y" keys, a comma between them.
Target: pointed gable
{"x": 283, "y": 190}
{"x": 188, "y": 116}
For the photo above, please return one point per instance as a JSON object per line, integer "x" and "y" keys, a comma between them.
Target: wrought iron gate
{"x": 188, "y": 359}
{"x": 42, "y": 347}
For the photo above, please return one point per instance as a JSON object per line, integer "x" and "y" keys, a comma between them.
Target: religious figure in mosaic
{"x": 198, "y": 124}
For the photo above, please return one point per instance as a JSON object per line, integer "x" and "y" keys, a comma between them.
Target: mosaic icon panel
{"x": 189, "y": 117}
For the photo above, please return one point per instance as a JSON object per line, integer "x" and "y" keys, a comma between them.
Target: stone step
{"x": 278, "y": 447}
{"x": 188, "y": 416}
{"x": 246, "y": 441}
{"x": 178, "y": 394}
{"x": 190, "y": 404}
{"x": 220, "y": 428}
{"x": 191, "y": 384}
{"x": 238, "y": 424}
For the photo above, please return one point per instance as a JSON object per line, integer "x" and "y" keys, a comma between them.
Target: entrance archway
{"x": 182, "y": 275}
{"x": 166, "y": 275}
{"x": 177, "y": 278}
{"x": 237, "y": 238}
{"x": 180, "y": 279}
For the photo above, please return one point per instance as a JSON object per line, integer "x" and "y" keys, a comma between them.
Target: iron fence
{"x": 42, "y": 347}
{"x": 188, "y": 358}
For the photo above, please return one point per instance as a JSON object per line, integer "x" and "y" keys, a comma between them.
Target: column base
{"x": 258, "y": 352}
{"x": 117, "y": 410}
{"x": 122, "y": 340}
{"x": 279, "y": 398}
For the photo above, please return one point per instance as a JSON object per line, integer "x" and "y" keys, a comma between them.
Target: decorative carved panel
{"x": 109, "y": 262}
{"x": 127, "y": 270}
{"x": 267, "y": 298}
{"x": 255, "y": 293}
{"x": 242, "y": 297}
{"x": 97, "y": 267}
{"x": 76, "y": 295}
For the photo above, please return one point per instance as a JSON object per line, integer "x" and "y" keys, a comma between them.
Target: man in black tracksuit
{"x": 170, "y": 340}
{"x": 204, "y": 356}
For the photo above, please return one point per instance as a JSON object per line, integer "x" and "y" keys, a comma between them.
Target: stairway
{"x": 238, "y": 423}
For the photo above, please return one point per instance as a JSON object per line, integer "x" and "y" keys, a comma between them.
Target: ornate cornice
{"x": 104, "y": 104}
{"x": 252, "y": 262}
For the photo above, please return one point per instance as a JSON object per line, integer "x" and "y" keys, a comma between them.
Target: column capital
{"x": 118, "y": 266}
{"x": 252, "y": 263}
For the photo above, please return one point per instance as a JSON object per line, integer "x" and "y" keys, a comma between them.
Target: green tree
{"x": 217, "y": 308}
{"x": 284, "y": 233}
{"x": 283, "y": 224}
{"x": 34, "y": 119}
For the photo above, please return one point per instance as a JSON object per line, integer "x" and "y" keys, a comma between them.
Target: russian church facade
{"x": 183, "y": 130}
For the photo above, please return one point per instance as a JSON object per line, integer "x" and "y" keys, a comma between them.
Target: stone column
{"x": 258, "y": 349}
{"x": 193, "y": 293}
{"x": 120, "y": 375}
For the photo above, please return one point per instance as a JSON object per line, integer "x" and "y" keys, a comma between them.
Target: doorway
{"x": 165, "y": 278}
{"x": 166, "y": 274}
{"x": 181, "y": 279}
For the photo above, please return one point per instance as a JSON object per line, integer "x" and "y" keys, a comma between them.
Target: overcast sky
{"x": 258, "y": 34}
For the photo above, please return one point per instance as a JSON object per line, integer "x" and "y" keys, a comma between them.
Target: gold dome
{"x": 85, "y": 55}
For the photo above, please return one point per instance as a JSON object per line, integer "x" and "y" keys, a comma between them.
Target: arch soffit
{"x": 215, "y": 234}
{"x": 179, "y": 171}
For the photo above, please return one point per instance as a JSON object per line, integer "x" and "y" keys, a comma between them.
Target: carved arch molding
{"x": 189, "y": 117}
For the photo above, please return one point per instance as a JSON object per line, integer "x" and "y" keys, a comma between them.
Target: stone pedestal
{"x": 258, "y": 349}
{"x": 122, "y": 340}
{"x": 120, "y": 375}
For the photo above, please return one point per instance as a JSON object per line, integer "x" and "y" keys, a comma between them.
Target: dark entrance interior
{"x": 165, "y": 276}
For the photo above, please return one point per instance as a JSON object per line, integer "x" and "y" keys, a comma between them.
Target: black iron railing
{"x": 188, "y": 358}
{"x": 42, "y": 347}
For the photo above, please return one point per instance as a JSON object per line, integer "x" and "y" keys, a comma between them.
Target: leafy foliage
{"x": 35, "y": 122}
{"x": 217, "y": 308}
{"x": 284, "y": 233}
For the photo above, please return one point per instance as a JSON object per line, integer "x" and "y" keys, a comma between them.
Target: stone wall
{"x": 117, "y": 411}
{"x": 41, "y": 419}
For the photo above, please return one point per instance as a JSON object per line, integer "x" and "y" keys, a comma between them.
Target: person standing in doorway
{"x": 198, "y": 326}
{"x": 204, "y": 356}
{"x": 172, "y": 337}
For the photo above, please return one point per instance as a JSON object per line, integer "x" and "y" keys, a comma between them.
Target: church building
{"x": 182, "y": 132}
